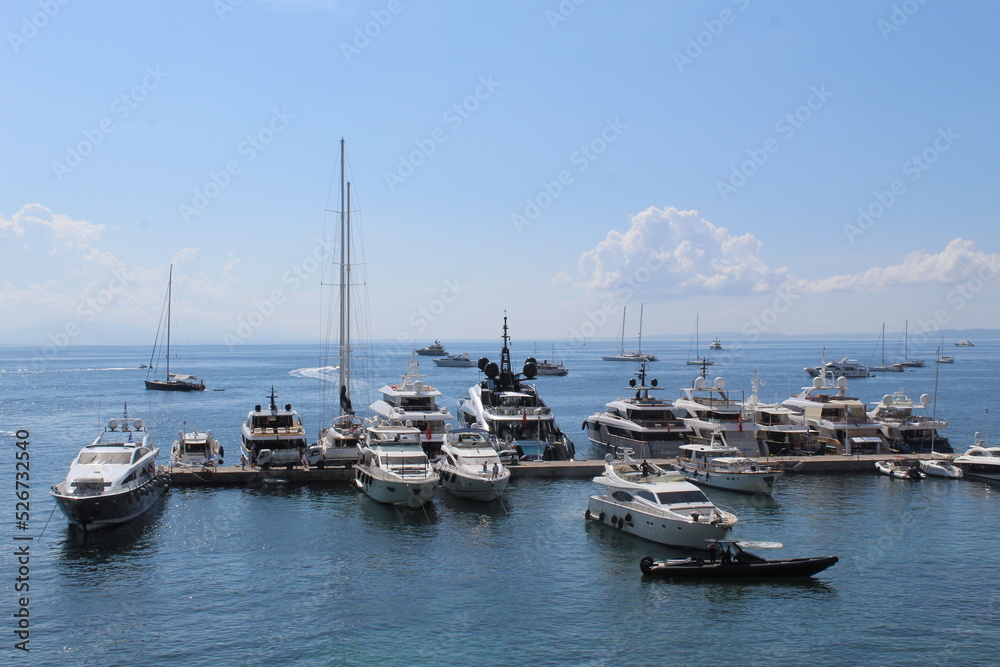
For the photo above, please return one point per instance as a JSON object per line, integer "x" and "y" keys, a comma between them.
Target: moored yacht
{"x": 470, "y": 467}
{"x": 980, "y": 461}
{"x": 725, "y": 467}
{"x": 841, "y": 419}
{"x": 715, "y": 414}
{"x": 546, "y": 367}
{"x": 392, "y": 467}
{"x": 657, "y": 505}
{"x": 114, "y": 479}
{"x": 414, "y": 403}
{"x": 907, "y": 426}
{"x": 273, "y": 436}
{"x": 630, "y": 355}
{"x": 649, "y": 426}
{"x": 510, "y": 409}
{"x": 197, "y": 449}
{"x": 777, "y": 434}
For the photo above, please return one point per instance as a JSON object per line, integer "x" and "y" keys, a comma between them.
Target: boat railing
{"x": 520, "y": 411}
{"x": 701, "y": 514}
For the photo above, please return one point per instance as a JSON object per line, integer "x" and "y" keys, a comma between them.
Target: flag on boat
{"x": 427, "y": 432}
{"x": 524, "y": 417}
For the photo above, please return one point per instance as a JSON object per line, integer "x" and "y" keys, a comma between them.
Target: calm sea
{"x": 322, "y": 575}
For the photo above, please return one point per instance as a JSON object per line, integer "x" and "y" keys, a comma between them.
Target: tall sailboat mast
{"x": 170, "y": 296}
{"x": 639, "y": 348}
{"x": 345, "y": 290}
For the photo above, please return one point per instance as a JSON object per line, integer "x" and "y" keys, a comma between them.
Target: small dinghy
{"x": 728, "y": 560}
{"x": 898, "y": 470}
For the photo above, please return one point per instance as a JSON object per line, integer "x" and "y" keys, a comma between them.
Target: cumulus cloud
{"x": 957, "y": 262}
{"x": 679, "y": 252}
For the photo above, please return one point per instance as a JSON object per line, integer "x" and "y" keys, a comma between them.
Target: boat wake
{"x": 325, "y": 373}
{"x": 761, "y": 545}
{"x": 67, "y": 370}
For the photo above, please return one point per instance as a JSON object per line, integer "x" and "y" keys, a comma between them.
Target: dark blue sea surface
{"x": 321, "y": 574}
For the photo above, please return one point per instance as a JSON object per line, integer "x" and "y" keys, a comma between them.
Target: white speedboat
{"x": 717, "y": 415}
{"x": 435, "y": 349}
{"x": 649, "y": 426}
{"x": 415, "y": 403}
{"x": 632, "y": 355}
{"x": 899, "y": 470}
{"x": 980, "y": 461}
{"x": 272, "y": 436}
{"x": 114, "y": 479}
{"x": 726, "y": 468}
{"x": 940, "y": 468}
{"x": 392, "y": 467}
{"x": 197, "y": 449}
{"x": 470, "y": 467}
{"x": 462, "y": 360}
{"x": 657, "y": 505}
{"x": 907, "y": 426}
{"x": 510, "y": 409}
{"x": 338, "y": 443}
{"x": 828, "y": 411}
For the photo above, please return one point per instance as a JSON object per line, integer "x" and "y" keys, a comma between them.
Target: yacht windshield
{"x": 114, "y": 458}
{"x": 672, "y": 497}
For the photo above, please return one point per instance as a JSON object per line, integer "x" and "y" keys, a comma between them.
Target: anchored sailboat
{"x": 173, "y": 381}
{"x": 698, "y": 360}
{"x": 638, "y": 355}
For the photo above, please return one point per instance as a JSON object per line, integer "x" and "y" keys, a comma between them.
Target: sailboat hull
{"x": 174, "y": 385}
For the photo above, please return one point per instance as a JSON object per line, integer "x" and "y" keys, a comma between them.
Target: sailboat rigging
{"x": 638, "y": 355}
{"x": 698, "y": 360}
{"x": 338, "y": 442}
{"x": 173, "y": 381}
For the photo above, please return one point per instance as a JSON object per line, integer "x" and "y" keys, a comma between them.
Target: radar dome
{"x": 842, "y": 382}
{"x": 530, "y": 369}
{"x": 719, "y": 383}
{"x": 925, "y": 400}
{"x": 887, "y": 399}
{"x": 699, "y": 383}
{"x": 817, "y": 382}
{"x": 491, "y": 369}
{"x": 482, "y": 363}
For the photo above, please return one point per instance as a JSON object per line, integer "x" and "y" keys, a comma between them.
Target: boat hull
{"x": 751, "y": 482}
{"x": 482, "y": 489}
{"x": 174, "y": 385}
{"x": 94, "y": 512}
{"x": 784, "y": 567}
{"x": 687, "y": 533}
{"x": 400, "y": 492}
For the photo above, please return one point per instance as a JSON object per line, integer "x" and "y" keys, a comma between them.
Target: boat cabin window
{"x": 415, "y": 460}
{"x": 646, "y": 495}
{"x": 622, "y": 496}
{"x": 101, "y": 458}
{"x": 139, "y": 453}
{"x": 671, "y": 497}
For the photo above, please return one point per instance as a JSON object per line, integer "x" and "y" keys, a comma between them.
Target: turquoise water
{"x": 323, "y": 575}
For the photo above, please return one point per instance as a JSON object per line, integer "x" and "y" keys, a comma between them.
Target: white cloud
{"x": 681, "y": 253}
{"x": 957, "y": 262}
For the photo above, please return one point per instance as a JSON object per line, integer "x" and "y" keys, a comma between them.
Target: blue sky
{"x": 776, "y": 167}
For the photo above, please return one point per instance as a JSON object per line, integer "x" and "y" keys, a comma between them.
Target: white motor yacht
{"x": 415, "y": 403}
{"x": 965, "y": 342}
{"x": 777, "y": 433}
{"x": 392, "y": 467}
{"x": 649, "y": 426}
{"x": 726, "y": 468}
{"x": 716, "y": 414}
{"x": 197, "y": 449}
{"x": 273, "y": 437}
{"x": 510, "y": 409}
{"x": 546, "y": 367}
{"x": 435, "y": 349}
{"x": 907, "y": 426}
{"x": 828, "y": 410}
{"x": 470, "y": 466}
{"x": 980, "y": 461}
{"x": 658, "y": 505}
{"x": 114, "y": 479}
{"x": 462, "y": 360}
{"x": 940, "y": 468}
{"x": 849, "y": 368}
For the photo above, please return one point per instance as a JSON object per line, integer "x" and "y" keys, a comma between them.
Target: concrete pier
{"x": 236, "y": 476}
